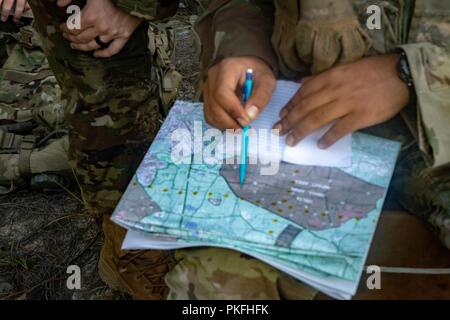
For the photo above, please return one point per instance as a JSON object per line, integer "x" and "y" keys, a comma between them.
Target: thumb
{"x": 262, "y": 92}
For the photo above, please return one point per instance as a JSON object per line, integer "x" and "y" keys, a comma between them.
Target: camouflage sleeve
{"x": 228, "y": 28}
{"x": 430, "y": 67}
{"x": 149, "y": 9}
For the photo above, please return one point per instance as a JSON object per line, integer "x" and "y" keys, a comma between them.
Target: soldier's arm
{"x": 149, "y": 9}
{"x": 430, "y": 67}
{"x": 235, "y": 28}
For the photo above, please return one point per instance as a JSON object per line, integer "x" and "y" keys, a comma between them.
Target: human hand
{"x": 20, "y": 7}
{"x": 100, "y": 18}
{"x": 356, "y": 96}
{"x": 222, "y": 92}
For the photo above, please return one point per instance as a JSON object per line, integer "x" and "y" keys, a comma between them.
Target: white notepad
{"x": 306, "y": 152}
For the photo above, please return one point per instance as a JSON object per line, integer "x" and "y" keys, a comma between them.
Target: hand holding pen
{"x": 222, "y": 92}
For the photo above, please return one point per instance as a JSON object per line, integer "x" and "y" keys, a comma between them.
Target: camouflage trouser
{"x": 212, "y": 273}
{"x": 113, "y": 108}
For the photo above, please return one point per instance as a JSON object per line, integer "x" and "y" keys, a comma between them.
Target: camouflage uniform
{"x": 270, "y": 30}
{"x": 33, "y": 141}
{"x": 31, "y": 112}
{"x": 114, "y": 111}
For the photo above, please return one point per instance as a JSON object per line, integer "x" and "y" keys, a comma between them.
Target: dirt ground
{"x": 41, "y": 234}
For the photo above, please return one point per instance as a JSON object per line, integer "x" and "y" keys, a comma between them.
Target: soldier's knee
{"x": 212, "y": 273}
{"x": 424, "y": 192}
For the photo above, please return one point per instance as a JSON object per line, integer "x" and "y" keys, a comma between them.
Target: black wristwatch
{"x": 404, "y": 73}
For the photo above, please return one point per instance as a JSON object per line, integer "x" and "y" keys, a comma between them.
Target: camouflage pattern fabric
{"x": 33, "y": 142}
{"x": 29, "y": 90}
{"x": 149, "y": 10}
{"x": 211, "y": 273}
{"x": 113, "y": 111}
{"x": 42, "y": 168}
{"x": 30, "y": 104}
{"x": 162, "y": 47}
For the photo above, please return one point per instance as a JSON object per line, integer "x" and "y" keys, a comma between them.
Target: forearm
{"x": 235, "y": 28}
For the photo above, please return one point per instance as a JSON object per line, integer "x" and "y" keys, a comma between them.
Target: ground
{"x": 41, "y": 234}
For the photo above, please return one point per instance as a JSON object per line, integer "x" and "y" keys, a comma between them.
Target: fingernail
{"x": 252, "y": 112}
{"x": 290, "y": 141}
{"x": 321, "y": 145}
{"x": 242, "y": 122}
{"x": 278, "y": 127}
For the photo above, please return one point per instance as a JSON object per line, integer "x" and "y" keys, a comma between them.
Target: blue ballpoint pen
{"x": 248, "y": 87}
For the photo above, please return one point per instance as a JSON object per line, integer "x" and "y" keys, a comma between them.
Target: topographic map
{"x": 316, "y": 220}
